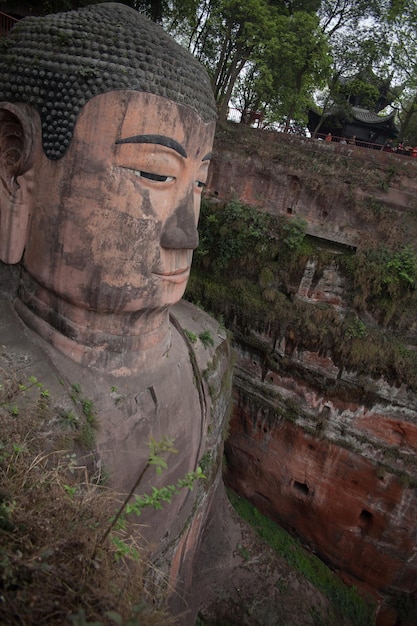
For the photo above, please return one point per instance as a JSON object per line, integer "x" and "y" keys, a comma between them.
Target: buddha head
{"x": 106, "y": 129}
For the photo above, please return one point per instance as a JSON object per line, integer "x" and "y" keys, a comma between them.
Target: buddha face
{"x": 114, "y": 221}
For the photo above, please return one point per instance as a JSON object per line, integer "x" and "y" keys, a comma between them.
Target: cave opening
{"x": 365, "y": 521}
{"x": 301, "y": 487}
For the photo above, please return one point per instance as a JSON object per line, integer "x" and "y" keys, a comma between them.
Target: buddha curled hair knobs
{"x": 57, "y": 63}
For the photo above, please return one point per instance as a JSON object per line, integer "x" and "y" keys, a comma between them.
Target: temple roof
{"x": 368, "y": 117}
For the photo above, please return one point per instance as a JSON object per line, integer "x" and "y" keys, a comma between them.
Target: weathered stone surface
{"x": 326, "y": 452}
{"x": 326, "y": 184}
{"x": 338, "y": 474}
{"x": 171, "y": 400}
{"x": 332, "y": 457}
{"x": 357, "y": 517}
{"x": 101, "y": 174}
{"x": 240, "y": 580}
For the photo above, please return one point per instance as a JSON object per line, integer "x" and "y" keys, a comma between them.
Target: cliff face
{"x": 329, "y": 488}
{"x": 335, "y": 187}
{"x": 328, "y": 452}
{"x": 335, "y": 463}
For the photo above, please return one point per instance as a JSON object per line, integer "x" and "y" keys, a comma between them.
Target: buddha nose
{"x": 180, "y": 229}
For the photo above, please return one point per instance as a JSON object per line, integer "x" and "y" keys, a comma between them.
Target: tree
{"x": 248, "y": 93}
{"x": 288, "y": 68}
{"x": 358, "y": 43}
{"x": 231, "y": 38}
{"x": 304, "y": 56}
{"x": 402, "y": 20}
{"x": 233, "y": 33}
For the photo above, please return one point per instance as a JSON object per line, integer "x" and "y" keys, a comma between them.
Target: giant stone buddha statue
{"x": 106, "y": 129}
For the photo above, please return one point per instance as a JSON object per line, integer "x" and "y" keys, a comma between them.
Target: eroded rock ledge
{"x": 328, "y": 452}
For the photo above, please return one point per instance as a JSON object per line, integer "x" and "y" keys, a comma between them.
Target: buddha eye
{"x": 156, "y": 177}
{"x": 200, "y": 184}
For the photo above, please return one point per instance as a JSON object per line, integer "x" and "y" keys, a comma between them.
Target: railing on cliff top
{"x": 234, "y": 116}
{"x": 388, "y": 147}
{"x": 6, "y": 23}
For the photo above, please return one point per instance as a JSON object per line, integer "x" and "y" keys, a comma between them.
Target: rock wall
{"x": 328, "y": 453}
{"x": 335, "y": 465}
{"x": 355, "y": 513}
{"x": 328, "y": 184}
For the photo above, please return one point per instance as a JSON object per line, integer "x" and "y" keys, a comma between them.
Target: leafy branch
{"x": 158, "y": 496}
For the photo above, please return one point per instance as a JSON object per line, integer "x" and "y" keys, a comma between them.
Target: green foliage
{"x": 248, "y": 242}
{"x": 402, "y": 267}
{"x": 70, "y": 418}
{"x": 88, "y": 410}
{"x": 383, "y": 279}
{"x": 294, "y": 233}
{"x": 237, "y": 229}
{"x": 284, "y": 52}
{"x": 70, "y": 490}
{"x": 266, "y": 277}
{"x": 356, "y": 328}
{"x": 134, "y": 504}
{"x": 87, "y": 72}
{"x": 159, "y": 496}
{"x": 206, "y": 463}
{"x": 192, "y": 337}
{"x": 22, "y": 393}
{"x": 279, "y": 79}
{"x": 244, "y": 552}
{"x": 346, "y": 600}
{"x": 85, "y": 423}
{"x": 367, "y": 92}
{"x": 292, "y": 410}
{"x": 206, "y": 338}
{"x": 64, "y": 38}
{"x": 6, "y": 511}
{"x": 230, "y": 233}
{"x": 157, "y": 449}
{"x": 245, "y": 277}
{"x": 51, "y": 512}
{"x": 232, "y": 34}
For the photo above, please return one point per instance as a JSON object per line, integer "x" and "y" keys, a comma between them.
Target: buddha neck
{"x": 120, "y": 344}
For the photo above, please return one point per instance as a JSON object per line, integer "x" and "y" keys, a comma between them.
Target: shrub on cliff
{"x": 233, "y": 235}
{"x": 385, "y": 282}
{"x": 249, "y": 270}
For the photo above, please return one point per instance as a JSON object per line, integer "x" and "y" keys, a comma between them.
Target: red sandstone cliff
{"x": 328, "y": 453}
{"x": 330, "y": 185}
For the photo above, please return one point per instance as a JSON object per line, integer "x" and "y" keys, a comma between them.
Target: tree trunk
{"x": 407, "y": 119}
{"x": 234, "y": 71}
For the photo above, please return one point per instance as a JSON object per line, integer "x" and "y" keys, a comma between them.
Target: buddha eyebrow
{"x": 161, "y": 140}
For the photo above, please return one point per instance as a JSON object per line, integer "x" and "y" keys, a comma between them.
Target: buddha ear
{"x": 19, "y": 137}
